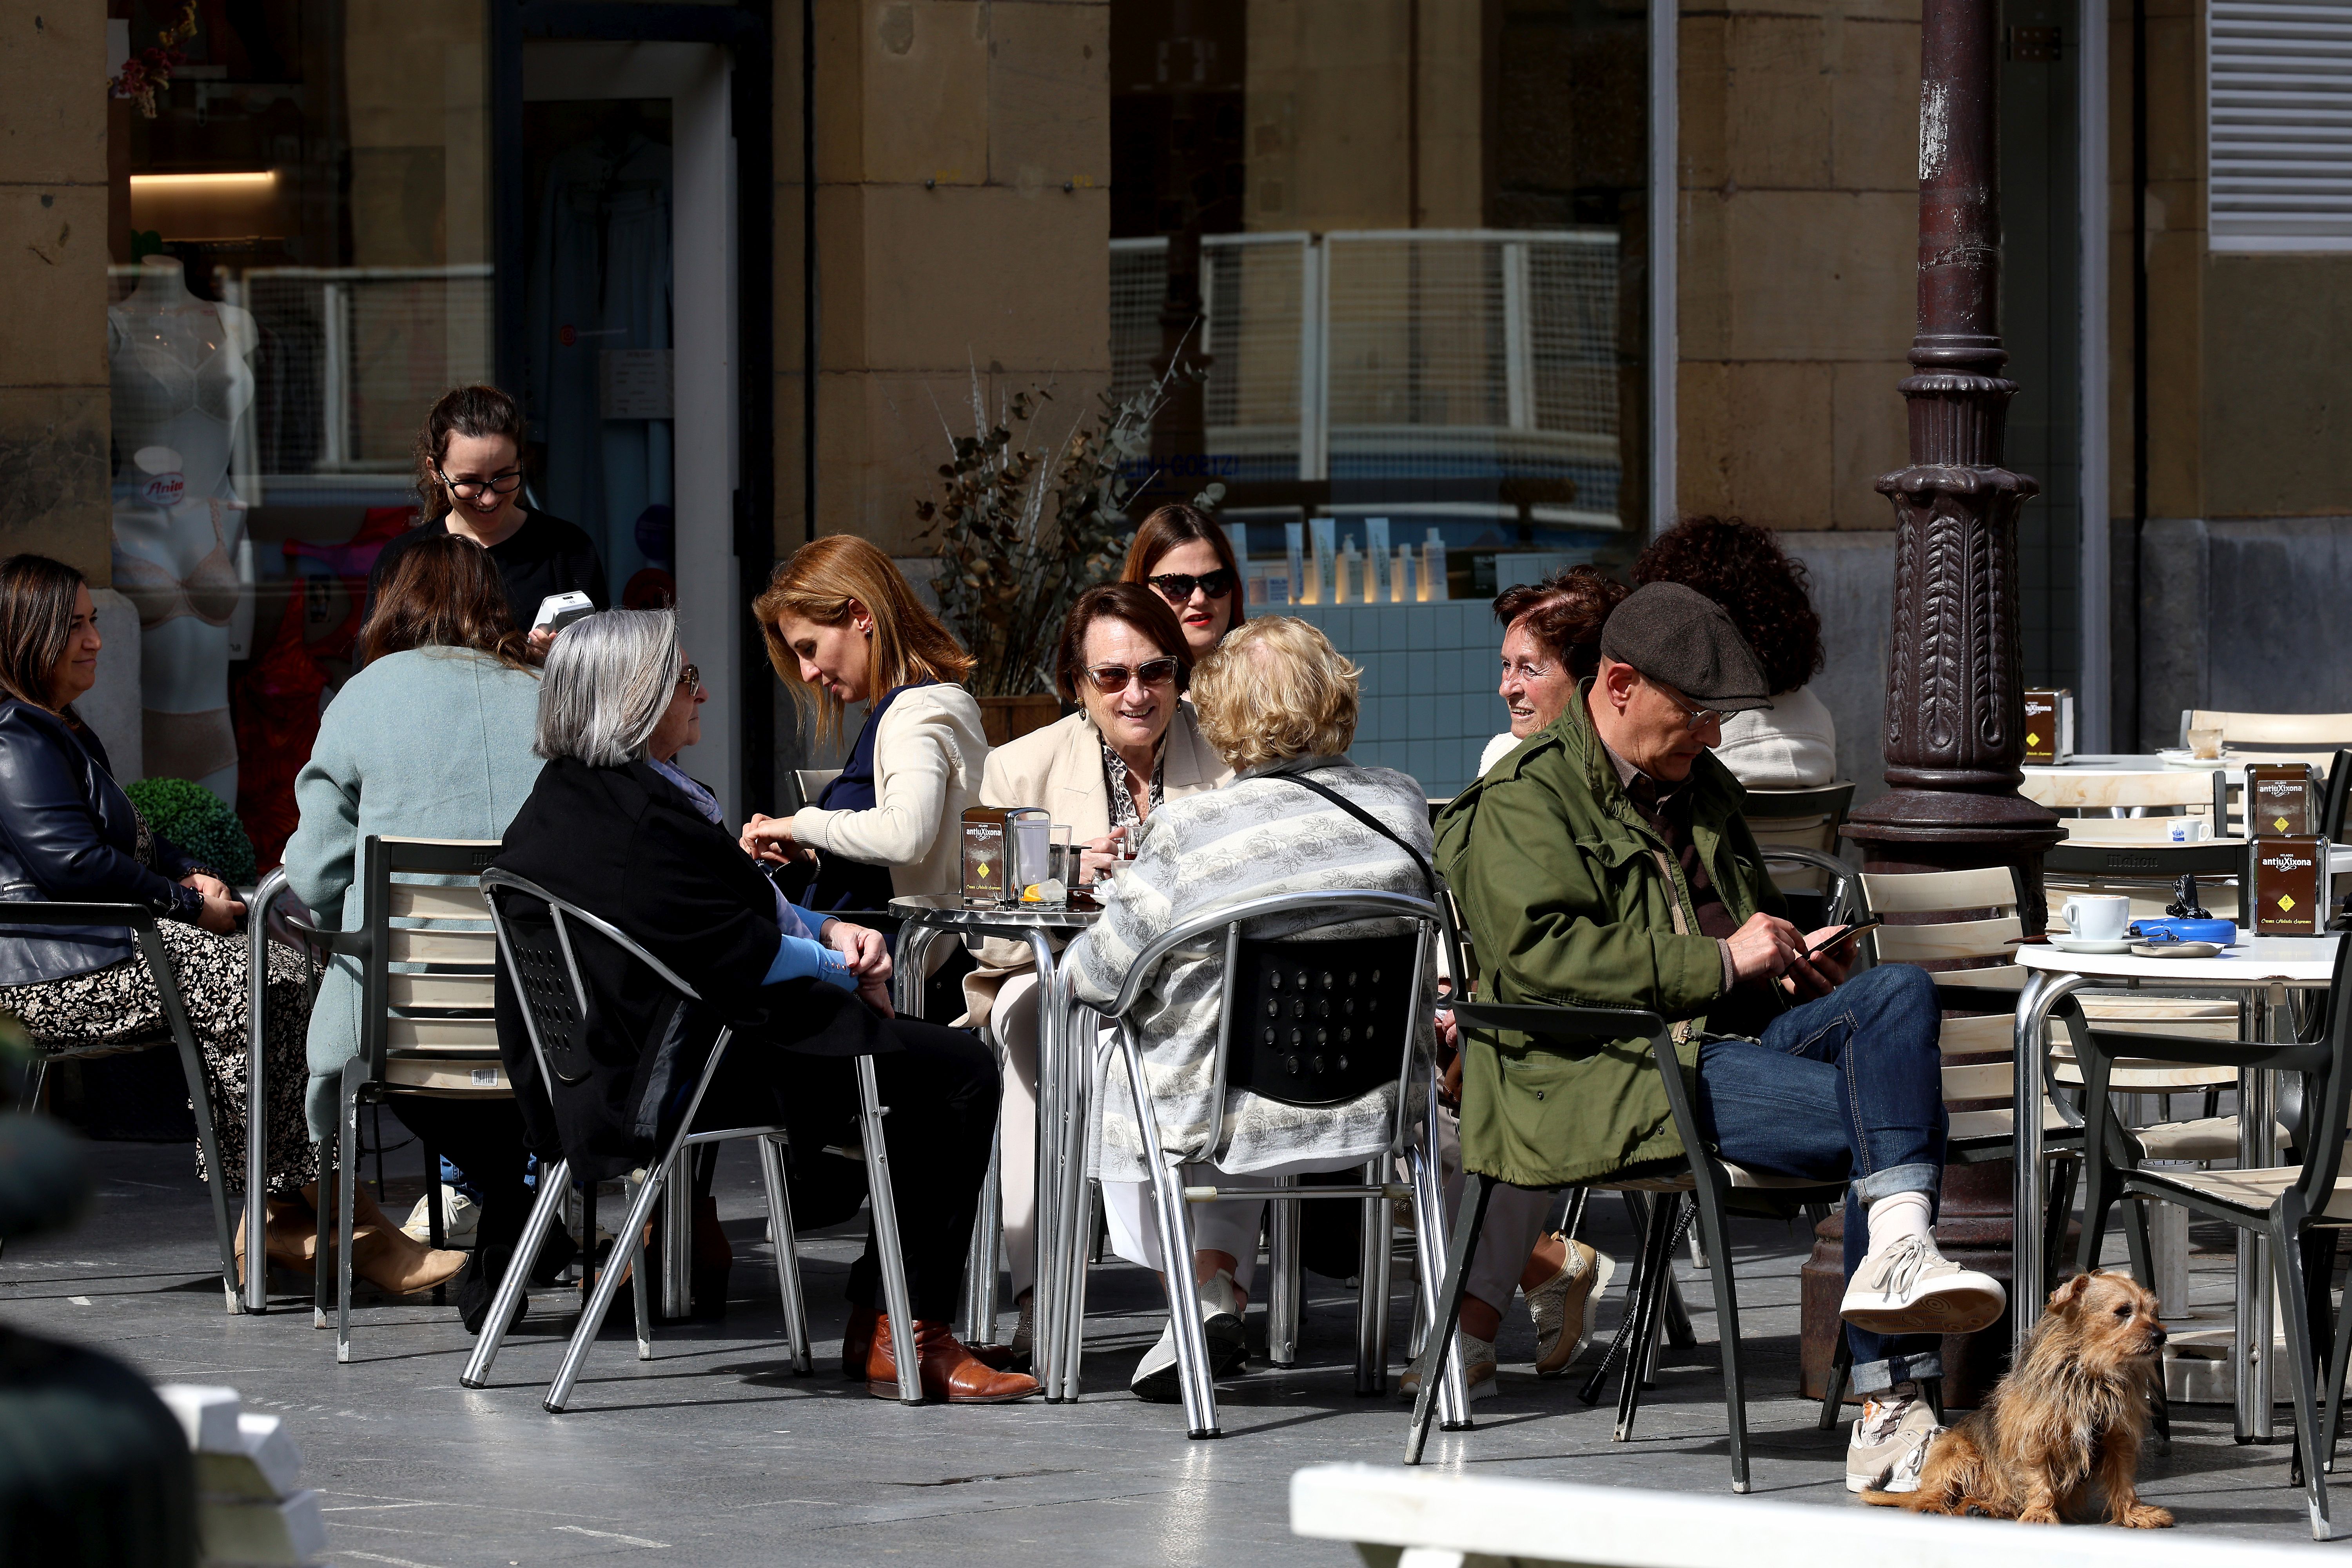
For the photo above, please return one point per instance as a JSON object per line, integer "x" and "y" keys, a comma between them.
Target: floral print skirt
{"x": 116, "y": 1006}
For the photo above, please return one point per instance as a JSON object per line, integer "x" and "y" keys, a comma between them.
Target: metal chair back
{"x": 1806, "y": 819}
{"x": 1297, "y": 951}
{"x": 2310, "y": 732}
{"x": 429, "y": 1022}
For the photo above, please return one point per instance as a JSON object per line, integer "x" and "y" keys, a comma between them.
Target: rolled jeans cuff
{"x": 1885, "y": 1184}
{"x": 1878, "y": 1376}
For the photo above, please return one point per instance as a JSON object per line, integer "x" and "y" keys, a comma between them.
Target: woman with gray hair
{"x": 1279, "y": 704}
{"x": 613, "y": 828}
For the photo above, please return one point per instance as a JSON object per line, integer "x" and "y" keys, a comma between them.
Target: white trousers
{"x": 1012, "y": 1024}
{"x": 1231, "y": 1228}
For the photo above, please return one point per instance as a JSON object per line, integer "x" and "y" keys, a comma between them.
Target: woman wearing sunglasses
{"x": 469, "y": 471}
{"x": 1188, "y": 560}
{"x": 1103, "y": 771}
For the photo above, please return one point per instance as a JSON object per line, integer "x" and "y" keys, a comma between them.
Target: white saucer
{"x": 2181, "y": 757}
{"x": 2090, "y": 944}
{"x": 2175, "y": 949}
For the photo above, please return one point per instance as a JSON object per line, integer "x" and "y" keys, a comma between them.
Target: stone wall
{"x": 1799, "y": 216}
{"x": 962, "y": 231}
{"x": 54, "y": 416}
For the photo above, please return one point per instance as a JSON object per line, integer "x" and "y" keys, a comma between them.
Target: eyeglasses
{"x": 1698, "y": 718}
{"x": 1110, "y": 679}
{"x": 690, "y": 678}
{"x": 1177, "y": 586}
{"x": 504, "y": 484}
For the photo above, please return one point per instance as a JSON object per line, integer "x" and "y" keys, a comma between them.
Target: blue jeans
{"x": 1845, "y": 1088}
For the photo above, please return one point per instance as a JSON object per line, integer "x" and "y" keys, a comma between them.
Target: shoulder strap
{"x": 1428, "y": 871}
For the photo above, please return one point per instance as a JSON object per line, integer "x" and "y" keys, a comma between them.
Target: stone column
{"x": 1955, "y": 680}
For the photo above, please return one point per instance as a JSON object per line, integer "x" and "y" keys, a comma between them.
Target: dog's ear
{"x": 2069, "y": 1293}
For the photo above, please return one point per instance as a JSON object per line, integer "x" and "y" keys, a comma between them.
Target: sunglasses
{"x": 1110, "y": 679}
{"x": 1176, "y": 587}
{"x": 690, "y": 678}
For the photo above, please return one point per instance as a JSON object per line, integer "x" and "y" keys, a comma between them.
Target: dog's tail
{"x": 1877, "y": 1499}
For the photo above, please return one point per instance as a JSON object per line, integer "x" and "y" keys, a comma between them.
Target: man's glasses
{"x": 1698, "y": 718}
{"x": 690, "y": 678}
{"x": 504, "y": 484}
{"x": 1110, "y": 679}
{"x": 1177, "y": 586}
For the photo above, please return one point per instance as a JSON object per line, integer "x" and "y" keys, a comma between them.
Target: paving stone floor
{"x": 713, "y": 1453}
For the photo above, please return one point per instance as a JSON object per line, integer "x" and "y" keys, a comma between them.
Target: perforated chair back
{"x": 1315, "y": 1015}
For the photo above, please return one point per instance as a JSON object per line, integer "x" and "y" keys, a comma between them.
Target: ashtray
{"x": 2179, "y": 927}
{"x": 2175, "y": 949}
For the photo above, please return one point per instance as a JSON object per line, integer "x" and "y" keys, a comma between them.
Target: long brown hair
{"x": 819, "y": 584}
{"x": 1137, "y": 605}
{"x": 1176, "y": 524}
{"x": 445, "y": 593}
{"x": 37, "y": 611}
{"x": 478, "y": 412}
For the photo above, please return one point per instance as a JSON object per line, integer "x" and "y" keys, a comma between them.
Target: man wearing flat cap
{"x": 1605, "y": 862}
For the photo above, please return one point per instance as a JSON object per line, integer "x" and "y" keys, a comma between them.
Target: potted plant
{"x": 1023, "y": 532}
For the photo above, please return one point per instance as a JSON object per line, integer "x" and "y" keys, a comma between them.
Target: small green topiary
{"x": 193, "y": 818}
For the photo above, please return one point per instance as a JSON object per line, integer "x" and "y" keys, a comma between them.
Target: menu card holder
{"x": 2048, "y": 725}
{"x": 1005, "y": 850}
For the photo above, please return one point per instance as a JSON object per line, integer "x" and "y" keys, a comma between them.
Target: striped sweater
{"x": 1253, "y": 837}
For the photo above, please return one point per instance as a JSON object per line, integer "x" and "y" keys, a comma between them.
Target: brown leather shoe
{"x": 857, "y": 1343}
{"x": 949, "y": 1372}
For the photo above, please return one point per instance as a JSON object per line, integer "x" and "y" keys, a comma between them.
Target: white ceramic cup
{"x": 2097, "y": 917}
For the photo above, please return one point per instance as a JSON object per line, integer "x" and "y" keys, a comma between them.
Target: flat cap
{"x": 1685, "y": 639}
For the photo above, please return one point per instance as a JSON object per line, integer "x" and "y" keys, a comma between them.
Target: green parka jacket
{"x": 1565, "y": 900}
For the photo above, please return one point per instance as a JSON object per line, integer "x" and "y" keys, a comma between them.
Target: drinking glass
{"x": 2205, "y": 744}
{"x": 1062, "y": 860}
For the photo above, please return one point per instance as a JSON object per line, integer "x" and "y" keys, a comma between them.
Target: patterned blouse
{"x": 1122, "y": 797}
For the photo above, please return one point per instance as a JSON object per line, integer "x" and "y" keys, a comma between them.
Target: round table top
{"x": 2149, "y": 762}
{"x": 950, "y": 910}
{"x": 2300, "y": 961}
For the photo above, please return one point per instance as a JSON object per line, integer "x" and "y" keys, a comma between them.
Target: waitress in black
{"x": 469, "y": 471}
{"x": 842, "y": 626}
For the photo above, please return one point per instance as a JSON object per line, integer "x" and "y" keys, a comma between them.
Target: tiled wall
{"x": 1430, "y": 673}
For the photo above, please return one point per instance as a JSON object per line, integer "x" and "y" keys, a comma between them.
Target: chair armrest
{"x": 1558, "y": 1021}
{"x": 349, "y": 944}
{"x": 2113, "y": 1046}
{"x": 13, "y": 912}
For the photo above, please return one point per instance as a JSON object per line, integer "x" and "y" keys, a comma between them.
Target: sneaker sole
{"x": 1947, "y": 1312}
{"x": 1854, "y": 1483}
{"x": 1604, "y": 1270}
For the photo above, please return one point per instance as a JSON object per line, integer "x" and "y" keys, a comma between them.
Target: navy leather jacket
{"x": 69, "y": 833}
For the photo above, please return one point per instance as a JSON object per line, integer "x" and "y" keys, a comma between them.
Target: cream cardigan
{"x": 928, "y": 756}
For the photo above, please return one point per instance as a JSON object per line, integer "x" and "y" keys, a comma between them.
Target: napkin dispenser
{"x": 2288, "y": 883}
{"x": 2049, "y": 726}
{"x": 2282, "y": 800}
{"x": 1005, "y": 848}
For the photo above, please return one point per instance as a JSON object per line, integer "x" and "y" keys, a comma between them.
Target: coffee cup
{"x": 2097, "y": 917}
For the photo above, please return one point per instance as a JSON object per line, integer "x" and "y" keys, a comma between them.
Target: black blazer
{"x": 69, "y": 833}
{"x": 626, "y": 844}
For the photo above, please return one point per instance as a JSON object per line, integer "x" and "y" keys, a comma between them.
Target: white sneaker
{"x": 1156, "y": 1376}
{"x": 461, "y": 1216}
{"x": 1478, "y": 1370}
{"x": 1889, "y": 1443}
{"x": 1909, "y": 1288}
{"x": 1572, "y": 1295}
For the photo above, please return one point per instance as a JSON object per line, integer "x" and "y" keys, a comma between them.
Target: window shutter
{"x": 2279, "y": 125}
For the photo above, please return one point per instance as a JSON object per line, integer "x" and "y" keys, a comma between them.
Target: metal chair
{"x": 141, "y": 921}
{"x": 1392, "y": 1014}
{"x": 539, "y": 951}
{"x": 427, "y": 1019}
{"x": 1802, "y": 819}
{"x": 2303, "y": 733}
{"x": 2283, "y": 1205}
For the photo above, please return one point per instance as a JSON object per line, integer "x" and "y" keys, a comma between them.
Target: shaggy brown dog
{"x": 2071, "y": 1418}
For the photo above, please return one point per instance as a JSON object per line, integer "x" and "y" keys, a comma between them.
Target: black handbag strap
{"x": 1428, "y": 871}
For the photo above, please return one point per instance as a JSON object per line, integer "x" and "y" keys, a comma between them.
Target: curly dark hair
{"x": 1565, "y": 612}
{"x": 1743, "y": 568}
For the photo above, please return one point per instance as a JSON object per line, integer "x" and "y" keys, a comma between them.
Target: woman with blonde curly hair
{"x": 842, "y": 626}
{"x": 1279, "y": 703}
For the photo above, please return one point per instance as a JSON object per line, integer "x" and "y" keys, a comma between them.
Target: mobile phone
{"x": 1835, "y": 938}
{"x": 558, "y": 611}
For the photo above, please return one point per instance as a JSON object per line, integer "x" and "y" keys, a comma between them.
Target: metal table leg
{"x": 256, "y": 1110}
{"x": 2043, "y": 992}
{"x": 2249, "y": 1353}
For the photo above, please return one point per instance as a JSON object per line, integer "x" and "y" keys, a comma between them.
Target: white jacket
{"x": 928, "y": 756}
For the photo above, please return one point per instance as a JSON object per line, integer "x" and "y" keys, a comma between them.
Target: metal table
{"x": 1064, "y": 1061}
{"x": 2260, "y": 971}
